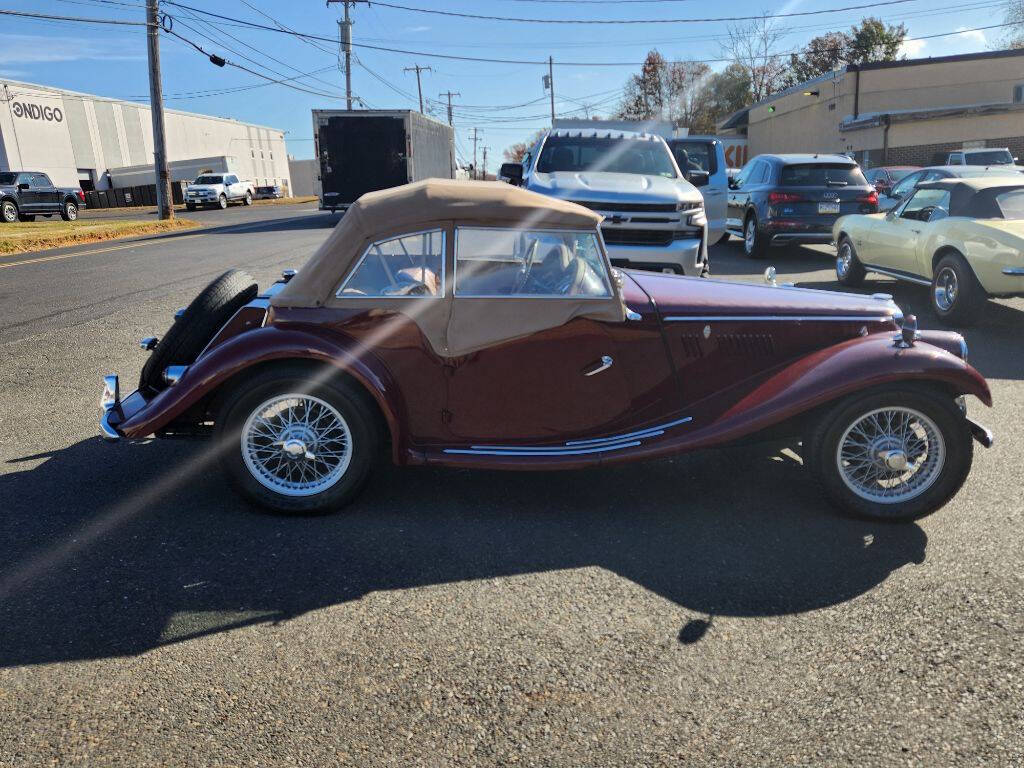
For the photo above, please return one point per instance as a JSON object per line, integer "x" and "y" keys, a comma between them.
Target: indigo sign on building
{"x": 36, "y": 112}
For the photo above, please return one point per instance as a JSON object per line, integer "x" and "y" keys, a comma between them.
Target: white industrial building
{"x": 101, "y": 143}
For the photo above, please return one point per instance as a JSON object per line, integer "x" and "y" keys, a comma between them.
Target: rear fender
{"x": 265, "y": 345}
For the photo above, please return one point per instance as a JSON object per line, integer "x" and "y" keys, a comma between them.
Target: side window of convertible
{"x": 927, "y": 205}
{"x": 539, "y": 263}
{"x": 400, "y": 267}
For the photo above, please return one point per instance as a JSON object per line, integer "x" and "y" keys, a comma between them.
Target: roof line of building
{"x": 874, "y": 119}
{"x": 79, "y": 94}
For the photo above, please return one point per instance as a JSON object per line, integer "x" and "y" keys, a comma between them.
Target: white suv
{"x": 217, "y": 189}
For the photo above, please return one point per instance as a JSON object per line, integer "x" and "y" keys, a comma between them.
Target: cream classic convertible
{"x": 962, "y": 237}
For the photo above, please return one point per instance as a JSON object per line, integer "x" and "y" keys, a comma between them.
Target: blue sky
{"x": 506, "y": 102}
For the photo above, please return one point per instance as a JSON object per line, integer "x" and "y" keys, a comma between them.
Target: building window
{"x": 271, "y": 155}
{"x": 1018, "y": 94}
{"x": 253, "y": 153}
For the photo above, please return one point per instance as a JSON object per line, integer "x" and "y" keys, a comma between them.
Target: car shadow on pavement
{"x": 91, "y": 566}
{"x": 729, "y": 259}
{"x": 994, "y": 341}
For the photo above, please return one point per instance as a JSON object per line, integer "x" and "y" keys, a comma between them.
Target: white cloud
{"x": 416, "y": 29}
{"x": 912, "y": 49}
{"x": 974, "y": 35}
{"x": 47, "y": 49}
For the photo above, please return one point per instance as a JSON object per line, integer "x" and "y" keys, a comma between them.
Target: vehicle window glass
{"x": 24, "y": 178}
{"x": 991, "y": 157}
{"x": 1011, "y": 204}
{"x": 822, "y": 175}
{"x": 8, "y": 178}
{"x": 591, "y": 153}
{"x": 926, "y": 205}
{"x": 744, "y": 174}
{"x": 898, "y": 174}
{"x": 956, "y": 158}
{"x": 408, "y": 266}
{"x": 527, "y": 161}
{"x": 519, "y": 262}
{"x": 695, "y": 156}
{"x": 872, "y": 176}
{"x": 210, "y": 180}
{"x": 38, "y": 181}
{"x": 903, "y": 186}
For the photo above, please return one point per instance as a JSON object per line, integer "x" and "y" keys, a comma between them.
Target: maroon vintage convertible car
{"x": 475, "y": 324}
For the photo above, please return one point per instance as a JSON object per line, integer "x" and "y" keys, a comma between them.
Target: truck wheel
{"x": 26, "y": 217}
{"x": 191, "y": 332}
{"x": 957, "y": 297}
{"x": 248, "y": 198}
{"x": 223, "y": 202}
{"x": 296, "y": 445}
{"x": 755, "y": 244}
{"x": 8, "y": 212}
{"x": 895, "y": 455}
{"x": 849, "y": 271}
{"x": 69, "y": 212}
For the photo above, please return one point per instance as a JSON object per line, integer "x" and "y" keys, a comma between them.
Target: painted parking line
{"x": 60, "y": 256}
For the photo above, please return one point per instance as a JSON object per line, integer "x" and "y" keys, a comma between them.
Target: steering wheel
{"x": 523, "y": 274}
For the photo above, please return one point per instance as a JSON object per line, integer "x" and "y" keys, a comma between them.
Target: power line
{"x": 81, "y": 19}
{"x": 519, "y": 20}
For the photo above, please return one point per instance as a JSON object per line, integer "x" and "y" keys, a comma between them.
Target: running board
{"x": 897, "y": 274}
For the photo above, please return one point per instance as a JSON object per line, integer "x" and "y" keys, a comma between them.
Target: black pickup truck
{"x": 27, "y": 194}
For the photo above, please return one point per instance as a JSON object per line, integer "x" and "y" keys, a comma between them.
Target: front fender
{"x": 263, "y": 345}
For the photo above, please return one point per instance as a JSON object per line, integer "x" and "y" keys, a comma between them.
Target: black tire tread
{"x": 206, "y": 315}
{"x": 972, "y": 296}
{"x": 855, "y": 277}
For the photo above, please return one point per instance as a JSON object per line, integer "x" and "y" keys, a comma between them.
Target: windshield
{"x": 1011, "y": 204}
{"x": 898, "y": 173}
{"x": 590, "y": 153}
{"x": 822, "y": 175}
{"x": 8, "y": 178}
{"x": 993, "y": 157}
{"x": 210, "y": 180}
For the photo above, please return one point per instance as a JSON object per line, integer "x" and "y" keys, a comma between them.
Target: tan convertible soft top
{"x": 418, "y": 206}
{"x": 453, "y": 326}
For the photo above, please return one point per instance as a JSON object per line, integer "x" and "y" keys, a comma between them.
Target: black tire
{"x": 823, "y": 446}
{"x": 222, "y": 202}
{"x": 849, "y": 270}
{"x": 963, "y": 305}
{"x": 755, "y": 244}
{"x": 191, "y": 332}
{"x": 8, "y": 212}
{"x": 69, "y": 211}
{"x": 350, "y": 402}
{"x": 190, "y": 206}
{"x": 26, "y": 217}
{"x": 248, "y": 199}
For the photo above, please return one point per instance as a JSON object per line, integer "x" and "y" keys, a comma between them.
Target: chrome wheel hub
{"x": 296, "y": 445}
{"x": 946, "y": 289}
{"x": 891, "y": 455}
{"x": 749, "y": 235}
{"x": 843, "y": 260}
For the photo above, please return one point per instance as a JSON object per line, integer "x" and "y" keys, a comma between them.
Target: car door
{"x": 739, "y": 196}
{"x": 702, "y": 155}
{"x": 47, "y": 196}
{"x": 896, "y": 239}
{"x": 535, "y": 369}
{"x": 231, "y": 186}
{"x": 28, "y": 194}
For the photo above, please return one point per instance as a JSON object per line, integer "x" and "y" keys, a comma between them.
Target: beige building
{"x": 896, "y": 112}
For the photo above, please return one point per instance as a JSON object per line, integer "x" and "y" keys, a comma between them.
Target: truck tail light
{"x": 784, "y": 197}
{"x": 871, "y": 198}
{"x": 81, "y": 195}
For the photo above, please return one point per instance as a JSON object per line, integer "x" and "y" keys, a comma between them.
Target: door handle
{"x": 601, "y": 365}
{"x": 916, "y": 231}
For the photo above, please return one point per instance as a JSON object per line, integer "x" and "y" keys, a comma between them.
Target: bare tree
{"x": 663, "y": 90}
{"x": 754, "y": 46}
{"x": 1014, "y": 15}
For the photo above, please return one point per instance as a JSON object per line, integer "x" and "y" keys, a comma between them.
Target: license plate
{"x": 828, "y": 207}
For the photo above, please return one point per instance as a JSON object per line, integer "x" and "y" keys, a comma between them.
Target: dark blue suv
{"x": 785, "y": 199}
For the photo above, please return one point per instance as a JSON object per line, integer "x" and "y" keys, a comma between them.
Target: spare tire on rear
{"x": 191, "y": 332}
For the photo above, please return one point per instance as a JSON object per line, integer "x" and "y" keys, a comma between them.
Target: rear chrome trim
{"x": 1014, "y": 271}
{"x": 776, "y": 318}
{"x": 573, "y": 447}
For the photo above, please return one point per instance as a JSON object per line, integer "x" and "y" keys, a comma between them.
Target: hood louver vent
{"x": 746, "y": 344}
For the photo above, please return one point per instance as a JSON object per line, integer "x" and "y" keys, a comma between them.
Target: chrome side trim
{"x": 774, "y": 318}
{"x": 540, "y": 452}
{"x": 604, "y": 365}
{"x": 632, "y": 315}
{"x": 573, "y": 447}
{"x": 897, "y": 275}
{"x": 1014, "y": 271}
{"x": 172, "y": 374}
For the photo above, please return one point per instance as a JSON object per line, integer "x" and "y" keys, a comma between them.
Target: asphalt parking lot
{"x": 710, "y": 609}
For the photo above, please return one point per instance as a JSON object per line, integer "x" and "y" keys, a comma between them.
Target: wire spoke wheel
{"x": 891, "y": 455}
{"x": 296, "y": 444}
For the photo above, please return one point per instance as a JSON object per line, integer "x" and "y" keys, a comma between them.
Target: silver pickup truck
{"x": 654, "y": 217}
{"x": 218, "y": 189}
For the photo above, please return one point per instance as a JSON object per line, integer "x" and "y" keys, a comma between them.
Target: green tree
{"x": 515, "y": 153}
{"x": 874, "y": 41}
{"x": 871, "y": 40}
{"x": 822, "y": 54}
{"x": 720, "y": 95}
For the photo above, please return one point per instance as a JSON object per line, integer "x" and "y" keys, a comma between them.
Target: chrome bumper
{"x": 981, "y": 433}
{"x": 116, "y": 411}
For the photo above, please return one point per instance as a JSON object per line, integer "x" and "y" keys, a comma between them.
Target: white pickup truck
{"x": 218, "y": 189}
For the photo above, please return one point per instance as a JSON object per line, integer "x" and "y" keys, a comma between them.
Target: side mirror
{"x": 513, "y": 172}
{"x": 23, "y": 186}
{"x": 732, "y": 183}
{"x": 698, "y": 178}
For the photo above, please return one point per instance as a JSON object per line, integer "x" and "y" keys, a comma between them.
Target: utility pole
{"x": 551, "y": 86}
{"x": 484, "y": 175}
{"x": 449, "y": 94}
{"x": 419, "y": 88}
{"x": 164, "y": 205}
{"x": 476, "y": 135}
{"x": 345, "y": 35}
